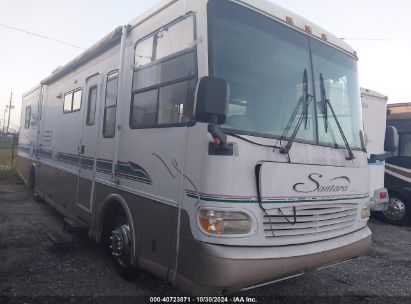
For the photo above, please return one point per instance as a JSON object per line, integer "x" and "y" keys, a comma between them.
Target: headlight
{"x": 365, "y": 213}
{"x": 224, "y": 222}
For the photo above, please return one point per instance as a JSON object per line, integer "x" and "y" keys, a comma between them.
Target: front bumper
{"x": 206, "y": 269}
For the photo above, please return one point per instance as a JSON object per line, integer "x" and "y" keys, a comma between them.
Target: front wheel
{"x": 120, "y": 248}
{"x": 397, "y": 211}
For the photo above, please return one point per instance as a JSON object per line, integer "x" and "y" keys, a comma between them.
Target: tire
{"x": 398, "y": 211}
{"x": 119, "y": 236}
{"x": 33, "y": 185}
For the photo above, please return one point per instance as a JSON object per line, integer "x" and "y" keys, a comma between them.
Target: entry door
{"x": 89, "y": 142}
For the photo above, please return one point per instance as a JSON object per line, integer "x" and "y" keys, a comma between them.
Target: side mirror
{"x": 391, "y": 139}
{"x": 213, "y": 95}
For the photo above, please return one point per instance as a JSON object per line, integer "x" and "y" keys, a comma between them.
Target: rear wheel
{"x": 119, "y": 245}
{"x": 398, "y": 211}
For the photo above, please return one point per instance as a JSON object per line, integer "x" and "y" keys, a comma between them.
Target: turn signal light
{"x": 365, "y": 213}
{"x": 224, "y": 222}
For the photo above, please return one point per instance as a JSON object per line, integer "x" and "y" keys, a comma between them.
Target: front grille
{"x": 313, "y": 223}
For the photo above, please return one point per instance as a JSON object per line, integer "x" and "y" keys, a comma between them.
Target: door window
{"x": 91, "y": 106}
{"x": 110, "y": 105}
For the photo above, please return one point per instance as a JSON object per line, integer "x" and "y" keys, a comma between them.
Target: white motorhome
{"x": 216, "y": 144}
{"x": 374, "y": 114}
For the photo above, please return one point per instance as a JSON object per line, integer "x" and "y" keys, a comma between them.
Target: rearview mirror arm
{"x": 217, "y": 134}
{"x": 380, "y": 157}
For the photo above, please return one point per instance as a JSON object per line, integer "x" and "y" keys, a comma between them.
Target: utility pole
{"x": 10, "y": 108}
{"x": 4, "y": 119}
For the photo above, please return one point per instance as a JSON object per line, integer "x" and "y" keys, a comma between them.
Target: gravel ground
{"x": 30, "y": 266}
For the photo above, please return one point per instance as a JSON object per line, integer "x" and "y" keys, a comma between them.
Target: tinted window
{"x": 111, "y": 93}
{"x": 110, "y": 122}
{"x": 272, "y": 71}
{"x": 341, "y": 86}
{"x": 264, "y": 63}
{"x": 144, "y": 109}
{"x": 144, "y": 52}
{"x": 91, "y": 106}
{"x": 405, "y": 145}
{"x": 110, "y": 105}
{"x": 163, "y": 91}
{"x": 165, "y": 71}
{"x": 176, "y": 103}
{"x": 175, "y": 38}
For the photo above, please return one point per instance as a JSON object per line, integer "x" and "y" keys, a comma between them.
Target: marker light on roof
{"x": 324, "y": 36}
{"x": 308, "y": 29}
{"x": 289, "y": 20}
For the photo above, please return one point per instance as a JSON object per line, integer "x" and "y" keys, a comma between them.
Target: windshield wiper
{"x": 325, "y": 103}
{"x": 305, "y": 102}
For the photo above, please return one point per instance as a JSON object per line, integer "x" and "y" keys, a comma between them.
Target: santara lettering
{"x": 338, "y": 184}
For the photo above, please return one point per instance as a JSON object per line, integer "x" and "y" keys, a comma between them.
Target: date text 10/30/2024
{"x": 203, "y": 300}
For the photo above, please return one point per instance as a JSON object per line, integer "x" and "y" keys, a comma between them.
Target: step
{"x": 60, "y": 238}
{"x": 74, "y": 224}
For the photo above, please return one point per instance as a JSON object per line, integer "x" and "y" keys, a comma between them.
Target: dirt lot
{"x": 31, "y": 266}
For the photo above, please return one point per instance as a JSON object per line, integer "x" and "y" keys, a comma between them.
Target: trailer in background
{"x": 374, "y": 113}
{"x": 398, "y": 168}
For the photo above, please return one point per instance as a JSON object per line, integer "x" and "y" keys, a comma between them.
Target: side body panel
{"x": 74, "y": 160}
{"x": 27, "y": 146}
{"x": 374, "y": 113}
{"x": 398, "y": 168}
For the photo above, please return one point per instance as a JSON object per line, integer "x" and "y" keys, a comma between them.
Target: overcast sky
{"x": 25, "y": 60}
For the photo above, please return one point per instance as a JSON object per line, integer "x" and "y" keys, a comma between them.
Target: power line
{"x": 40, "y": 36}
{"x": 366, "y": 39}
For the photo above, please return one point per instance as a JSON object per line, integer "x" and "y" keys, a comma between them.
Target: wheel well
{"x": 396, "y": 194}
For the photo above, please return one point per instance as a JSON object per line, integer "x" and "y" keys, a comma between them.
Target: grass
{"x": 8, "y": 172}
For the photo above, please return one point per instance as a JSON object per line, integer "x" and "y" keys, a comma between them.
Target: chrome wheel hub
{"x": 395, "y": 209}
{"x": 120, "y": 243}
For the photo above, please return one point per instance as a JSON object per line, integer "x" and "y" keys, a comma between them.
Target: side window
{"x": 175, "y": 102}
{"x": 110, "y": 105}
{"x": 405, "y": 145}
{"x": 165, "y": 77}
{"x": 67, "y": 102}
{"x": 77, "y": 100}
{"x": 144, "y": 52}
{"x": 72, "y": 101}
{"x": 144, "y": 109}
{"x": 175, "y": 38}
{"x": 91, "y": 106}
{"x": 27, "y": 118}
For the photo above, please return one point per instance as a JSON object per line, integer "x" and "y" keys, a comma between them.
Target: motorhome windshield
{"x": 264, "y": 62}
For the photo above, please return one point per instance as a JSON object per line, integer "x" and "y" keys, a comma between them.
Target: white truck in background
{"x": 374, "y": 113}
